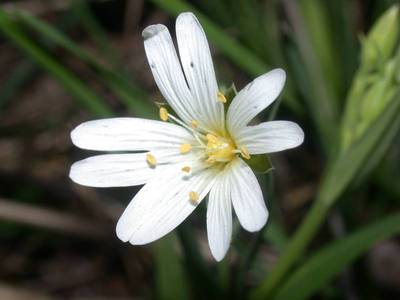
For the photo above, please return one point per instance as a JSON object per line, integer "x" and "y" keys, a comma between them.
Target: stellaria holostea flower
{"x": 201, "y": 151}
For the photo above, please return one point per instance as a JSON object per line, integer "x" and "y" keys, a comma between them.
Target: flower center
{"x": 216, "y": 148}
{"x": 219, "y": 149}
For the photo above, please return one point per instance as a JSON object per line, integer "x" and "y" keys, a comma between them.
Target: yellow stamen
{"x": 194, "y": 124}
{"x": 185, "y": 148}
{"x": 151, "y": 160}
{"x": 219, "y": 149}
{"x": 163, "y": 114}
{"x": 211, "y": 159}
{"x": 194, "y": 197}
{"x": 244, "y": 152}
{"x": 186, "y": 169}
{"x": 211, "y": 138}
{"x": 221, "y": 97}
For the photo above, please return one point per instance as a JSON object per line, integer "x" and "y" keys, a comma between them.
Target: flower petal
{"x": 112, "y": 170}
{"x": 161, "y": 205}
{"x": 219, "y": 217}
{"x": 254, "y": 98}
{"x": 247, "y": 198}
{"x": 129, "y": 134}
{"x": 167, "y": 71}
{"x": 199, "y": 70}
{"x": 270, "y": 137}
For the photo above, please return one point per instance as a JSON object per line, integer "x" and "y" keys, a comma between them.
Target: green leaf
{"x": 132, "y": 96}
{"x": 341, "y": 22}
{"x": 375, "y": 82}
{"x": 21, "y": 75}
{"x": 324, "y": 265}
{"x": 275, "y": 235}
{"x": 381, "y": 41}
{"x": 380, "y": 151}
{"x": 84, "y": 95}
{"x": 204, "y": 281}
{"x": 316, "y": 19}
{"x": 319, "y": 97}
{"x": 260, "y": 163}
{"x": 170, "y": 276}
{"x": 95, "y": 30}
{"x": 342, "y": 171}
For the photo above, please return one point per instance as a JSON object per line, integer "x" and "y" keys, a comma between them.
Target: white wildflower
{"x": 201, "y": 151}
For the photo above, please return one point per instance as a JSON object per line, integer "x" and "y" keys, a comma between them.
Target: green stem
{"x": 339, "y": 174}
{"x": 295, "y": 248}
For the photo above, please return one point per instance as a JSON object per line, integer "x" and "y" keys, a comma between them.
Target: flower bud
{"x": 381, "y": 40}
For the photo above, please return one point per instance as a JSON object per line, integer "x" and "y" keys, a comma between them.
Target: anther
{"x": 244, "y": 152}
{"x": 185, "y": 148}
{"x": 194, "y": 197}
{"x": 163, "y": 114}
{"x": 221, "y": 97}
{"x": 211, "y": 138}
{"x": 151, "y": 160}
{"x": 194, "y": 124}
{"x": 186, "y": 169}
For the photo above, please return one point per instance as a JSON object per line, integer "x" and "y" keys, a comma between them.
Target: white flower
{"x": 201, "y": 151}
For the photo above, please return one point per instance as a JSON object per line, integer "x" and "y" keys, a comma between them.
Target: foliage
{"x": 344, "y": 88}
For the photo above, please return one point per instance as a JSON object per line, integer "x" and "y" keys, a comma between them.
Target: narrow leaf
{"x": 323, "y": 266}
{"x": 132, "y": 96}
{"x": 76, "y": 87}
{"x": 340, "y": 173}
{"x": 170, "y": 276}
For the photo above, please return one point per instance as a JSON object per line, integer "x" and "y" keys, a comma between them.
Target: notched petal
{"x": 152, "y": 30}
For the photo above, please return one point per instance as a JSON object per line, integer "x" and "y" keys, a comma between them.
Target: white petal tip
{"x": 122, "y": 232}
{"x": 76, "y": 176}
{"x": 279, "y": 75}
{"x": 256, "y": 225}
{"x": 81, "y": 133}
{"x": 219, "y": 255}
{"x": 152, "y": 31}
{"x": 75, "y": 135}
{"x": 125, "y": 234}
{"x": 296, "y": 135}
{"x": 187, "y": 19}
{"x": 300, "y": 133}
{"x": 186, "y": 16}
{"x": 72, "y": 173}
{"x": 280, "y": 72}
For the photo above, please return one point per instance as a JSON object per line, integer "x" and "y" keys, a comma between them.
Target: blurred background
{"x": 334, "y": 201}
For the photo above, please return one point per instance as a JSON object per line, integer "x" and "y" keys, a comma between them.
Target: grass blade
{"x": 319, "y": 100}
{"x": 21, "y": 75}
{"x": 77, "y": 88}
{"x": 323, "y": 266}
{"x": 340, "y": 173}
{"x": 94, "y": 29}
{"x": 237, "y": 53}
{"x": 132, "y": 96}
{"x": 170, "y": 276}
